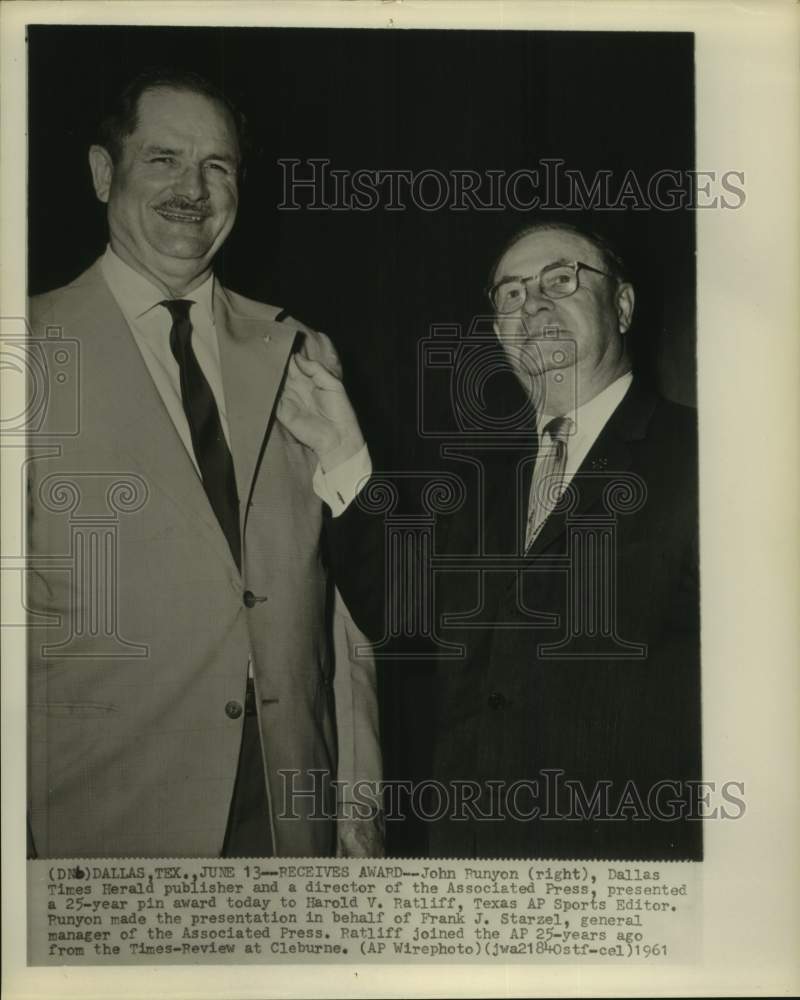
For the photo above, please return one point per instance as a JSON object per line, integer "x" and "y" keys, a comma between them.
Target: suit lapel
{"x": 254, "y": 351}
{"x": 610, "y": 454}
{"x": 126, "y": 399}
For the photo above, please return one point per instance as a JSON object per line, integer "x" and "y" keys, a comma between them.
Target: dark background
{"x": 375, "y": 281}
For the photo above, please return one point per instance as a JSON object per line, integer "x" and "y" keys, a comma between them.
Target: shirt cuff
{"x": 338, "y": 487}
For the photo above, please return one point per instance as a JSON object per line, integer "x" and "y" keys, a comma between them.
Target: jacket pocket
{"x": 73, "y": 709}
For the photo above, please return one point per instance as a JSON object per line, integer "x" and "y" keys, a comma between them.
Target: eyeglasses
{"x": 556, "y": 281}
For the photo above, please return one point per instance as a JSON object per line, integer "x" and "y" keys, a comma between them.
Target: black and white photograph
{"x": 535, "y": 688}
{"x": 364, "y": 462}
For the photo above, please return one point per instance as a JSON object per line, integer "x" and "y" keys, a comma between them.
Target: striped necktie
{"x": 548, "y": 475}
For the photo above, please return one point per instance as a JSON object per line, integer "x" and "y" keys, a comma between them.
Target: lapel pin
{"x": 599, "y": 463}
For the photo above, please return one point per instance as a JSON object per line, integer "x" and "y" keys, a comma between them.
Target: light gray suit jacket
{"x": 141, "y": 630}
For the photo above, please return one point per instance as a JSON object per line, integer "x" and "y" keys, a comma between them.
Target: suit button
{"x": 496, "y": 700}
{"x": 233, "y": 709}
{"x": 249, "y": 599}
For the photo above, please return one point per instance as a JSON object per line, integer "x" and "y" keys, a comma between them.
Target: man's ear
{"x": 102, "y": 168}
{"x": 624, "y": 300}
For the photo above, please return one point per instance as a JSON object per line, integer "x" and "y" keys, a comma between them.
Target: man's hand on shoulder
{"x": 316, "y": 410}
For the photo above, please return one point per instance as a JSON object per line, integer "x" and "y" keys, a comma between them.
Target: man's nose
{"x": 192, "y": 183}
{"x": 535, "y": 299}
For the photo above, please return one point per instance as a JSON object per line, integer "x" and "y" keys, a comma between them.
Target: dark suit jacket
{"x": 581, "y": 659}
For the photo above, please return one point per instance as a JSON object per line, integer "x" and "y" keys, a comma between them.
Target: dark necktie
{"x": 208, "y": 440}
{"x": 548, "y": 475}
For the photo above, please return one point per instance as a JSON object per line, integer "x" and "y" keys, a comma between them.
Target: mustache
{"x": 178, "y": 204}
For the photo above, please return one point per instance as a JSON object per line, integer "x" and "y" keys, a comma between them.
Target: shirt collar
{"x": 136, "y": 295}
{"x": 594, "y": 412}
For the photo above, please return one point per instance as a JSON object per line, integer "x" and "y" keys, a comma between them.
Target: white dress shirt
{"x": 588, "y": 420}
{"x": 150, "y": 324}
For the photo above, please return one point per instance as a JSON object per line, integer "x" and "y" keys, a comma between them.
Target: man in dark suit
{"x": 570, "y": 724}
{"x": 193, "y": 688}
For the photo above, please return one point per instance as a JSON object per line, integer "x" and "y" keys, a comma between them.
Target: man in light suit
{"x": 194, "y": 689}
{"x": 570, "y": 725}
